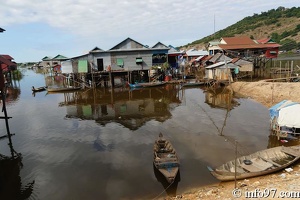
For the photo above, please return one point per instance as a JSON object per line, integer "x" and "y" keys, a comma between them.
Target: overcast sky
{"x": 39, "y": 28}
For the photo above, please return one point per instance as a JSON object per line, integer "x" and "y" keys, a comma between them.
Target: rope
{"x": 165, "y": 190}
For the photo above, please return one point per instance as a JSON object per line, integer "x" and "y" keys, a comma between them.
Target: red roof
{"x": 238, "y": 40}
{"x": 234, "y": 60}
{"x": 249, "y": 46}
{"x": 245, "y": 42}
{"x": 265, "y": 41}
{"x": 7, "y": 64}
{"x": 8, "y": 57}
{"x": 6, "y": 61}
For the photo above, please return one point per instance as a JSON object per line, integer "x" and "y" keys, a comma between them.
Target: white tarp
{"x": 66, "y": 67}
{"x": 289, "y": 116}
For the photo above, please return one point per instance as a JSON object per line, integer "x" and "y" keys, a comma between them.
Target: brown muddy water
{"x": 97, "y": 143}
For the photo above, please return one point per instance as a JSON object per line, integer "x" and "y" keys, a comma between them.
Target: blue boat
{"x": 145, "y": 85}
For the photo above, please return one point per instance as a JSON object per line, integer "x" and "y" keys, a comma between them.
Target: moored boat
{"x": 63, "y": 89}
{"x": 259, "y": 163}
{"x": 145, "y": 85}
{"x": 165, "y": 159}
{"x": 193, "y": 84}
{"x": 39, "y": 89}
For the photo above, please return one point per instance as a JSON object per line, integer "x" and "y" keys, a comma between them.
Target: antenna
{"x": 214, "y": 24}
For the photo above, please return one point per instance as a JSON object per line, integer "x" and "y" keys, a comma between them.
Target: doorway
{"x": 100, "y": 64}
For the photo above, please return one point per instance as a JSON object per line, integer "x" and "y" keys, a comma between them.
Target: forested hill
{"x": 281, "y": 24}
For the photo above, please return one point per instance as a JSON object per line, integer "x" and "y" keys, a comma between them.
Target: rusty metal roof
{"x": 238, "y": 40}
{"x": 249, "y": 46}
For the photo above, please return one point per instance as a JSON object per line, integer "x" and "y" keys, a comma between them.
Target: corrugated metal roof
{"x": 60, "y": 57}
{"x": 160, "y": 46}
{"x": 222, "y": 65}
{"x": 6, "y": 61}
{"x": 124, "y": 45}
{"x": 8, "y": 57}
{"x": 238, "y": 40}
{"x": 228, "y": 65}
{"x": 96, "y": 49}
{"x": 215, "y": 65}
{"x": 249, "y": 46}
{"x": 46, "y": 58}
{"x": 194, "y": 52}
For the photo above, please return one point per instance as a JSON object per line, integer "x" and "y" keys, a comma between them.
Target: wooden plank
{"x": 270, "y": 161}
{"x": 291, "y": 151}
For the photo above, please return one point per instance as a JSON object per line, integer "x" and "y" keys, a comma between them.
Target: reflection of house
{"x": 130, "y": 108}
{"x": 220, "y": 98}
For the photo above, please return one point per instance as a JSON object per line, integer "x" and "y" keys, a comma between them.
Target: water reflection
{"x": 12, "y": 94}
{"x": 220, "y": 98}
{"x": 10, "y": 180}
{"x": 131, "y": 108}
{"x": 91, "y": 142}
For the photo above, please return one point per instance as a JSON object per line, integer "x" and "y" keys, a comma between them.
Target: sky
{"x": 39, "y": 28}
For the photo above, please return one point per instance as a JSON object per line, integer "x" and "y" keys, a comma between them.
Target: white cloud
{"x": 108, "y": 22}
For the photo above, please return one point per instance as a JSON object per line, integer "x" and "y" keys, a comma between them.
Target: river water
{"x": 97, "y": 143}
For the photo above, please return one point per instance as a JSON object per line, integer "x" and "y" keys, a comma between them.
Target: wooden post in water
{"x": 235, "y": 164}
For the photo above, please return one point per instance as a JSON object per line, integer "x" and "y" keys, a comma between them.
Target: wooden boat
{"x": 165, "y": 159}
{"x": 260, "y": 163}
{"x": 145, "y": 85}
{"x": 64, "y": 89}
{"x": 39, "y": 89}
{"x": 194, "y": 84}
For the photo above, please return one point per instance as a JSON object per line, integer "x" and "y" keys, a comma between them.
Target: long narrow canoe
{"x": 64, "y": 89}
{"x": 194, "y": 84}
{"x": 259, "y": 163}
{"x": 165, "y": 159}
{"x": 39, "y": 89}
{"x": 145, "y": 85}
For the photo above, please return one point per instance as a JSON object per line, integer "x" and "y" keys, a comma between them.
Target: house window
{"x": 139, "y": 60}
{"x": 120, "y": 62}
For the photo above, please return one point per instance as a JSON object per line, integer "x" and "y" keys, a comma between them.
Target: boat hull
{"x": 67, "y": 89}
{"x": 166, "y": 160}
{"x": 146, "y": 85}
{"x": 260, "y": 163}
{"x": 193, "y": 84}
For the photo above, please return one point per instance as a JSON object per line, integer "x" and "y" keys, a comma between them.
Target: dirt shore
{"x": 270, "y": 186}
{"x": 268, "y": 93}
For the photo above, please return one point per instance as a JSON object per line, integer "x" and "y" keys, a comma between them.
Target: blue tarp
{"x": 274, "y": 110}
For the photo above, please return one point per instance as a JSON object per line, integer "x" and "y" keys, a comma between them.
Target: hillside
{"x": 281, "y": 24}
